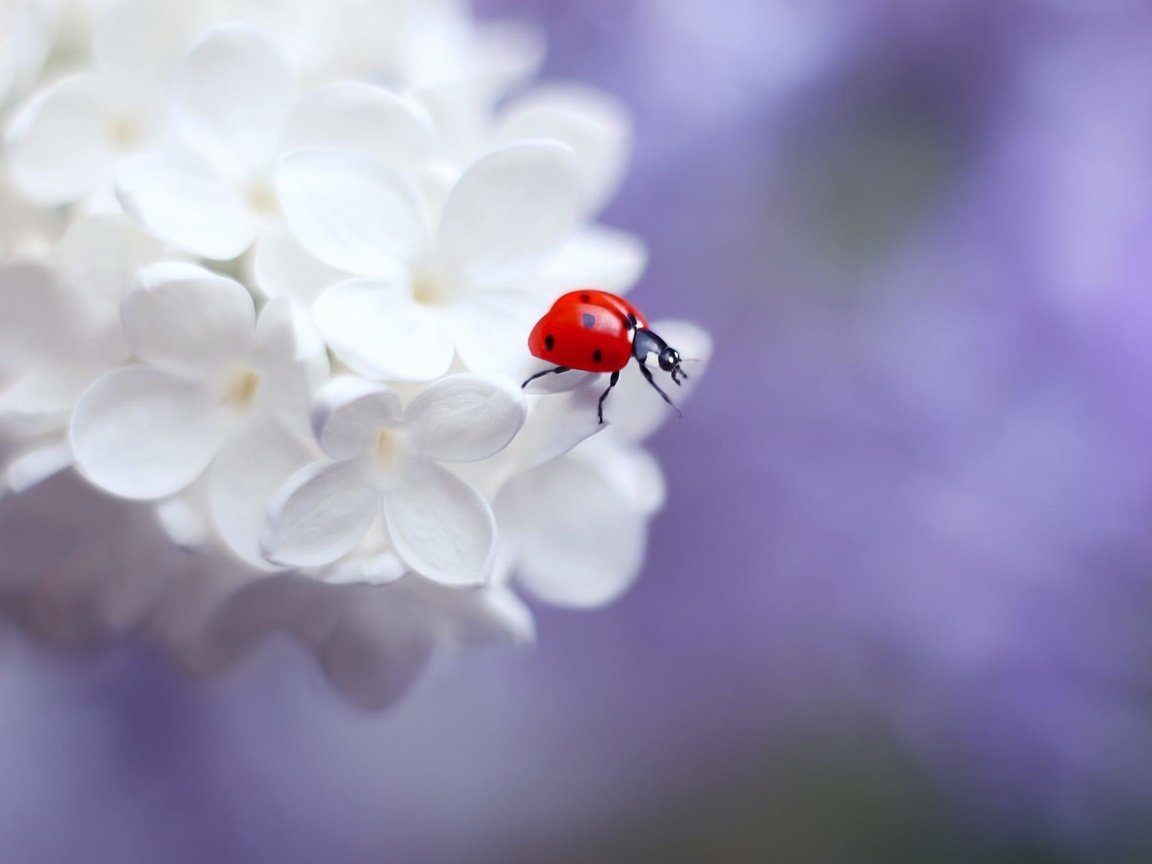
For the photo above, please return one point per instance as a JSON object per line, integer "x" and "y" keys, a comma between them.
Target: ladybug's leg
{"x": 611, "y": 383}
{"x": 648, "y": 377}
{"x": 555, "y": 371}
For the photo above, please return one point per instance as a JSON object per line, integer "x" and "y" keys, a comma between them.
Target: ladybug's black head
{"x": 647, "y": 343}
{"x": 669, "y": 360}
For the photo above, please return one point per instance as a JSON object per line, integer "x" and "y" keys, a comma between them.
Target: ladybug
{"x": 594, "y": 331}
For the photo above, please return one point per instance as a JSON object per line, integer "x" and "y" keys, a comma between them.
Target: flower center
{"x": 241, "y": 387}
{"x": 126, "y": 133}
{"x": 387, "y": 450}
{"x": 427, "y": 290}
{"x": 262, "y": 198}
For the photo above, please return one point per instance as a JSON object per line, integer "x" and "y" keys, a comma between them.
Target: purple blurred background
{"x": 898, "y": 606}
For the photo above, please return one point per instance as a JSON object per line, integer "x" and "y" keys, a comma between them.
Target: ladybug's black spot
{"x": 597, "y": 356}
{"x": 549, "y": 342}
{"x": 585, "y": 298}
{"x": 588, "y": 320}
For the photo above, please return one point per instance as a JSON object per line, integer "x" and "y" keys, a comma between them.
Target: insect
{"x": 594, "y": 331}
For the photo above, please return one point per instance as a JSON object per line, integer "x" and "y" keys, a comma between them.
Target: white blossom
{"x": 65, "y": 142}
{"x": 27, "y": 28}
{"x": 217, "y": 390}
{"x": 574, "y": 529}
{"x": 205, "y": 205}
{"x": 212, "y": 190}
{"x": 385, "y": 464}
{"x": 61, "y": 330}
{"x": 429, "y": 290}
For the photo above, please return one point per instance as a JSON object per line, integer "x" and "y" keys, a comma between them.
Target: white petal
{"x": 97, "y": 259}
{"x": 380, "y": 332}
{"x": 380, "y": 568}
{"x": 349, "y": 414}
{"x": 561, "y": 382}
{"x": 510, "y": 211}
{"x": 59, "y": 146}
{"x": 232, "y": 97}
{"x": 350, "y": 211}
{"x": 45, "y": 394}
{"x": 382, "y": 642}
{"x": 634, "y": 409}
{"x": 291, "y": 361}
{"x": 182, "y": 518}
{"x": 137, "y": 43}
{"x": 493, "y": 614}
{"x": 491, "y": 330}
{"x": 376, "y": 123}
{"x": 36, "y": 465}
{"x": 246, "y": 474}
{"x": 508, "y": 53}
{"x": 464, "y": 418}
{"x": 634, "y": 471}
{"x": 32, "y": 303}
{"x": 185, "y": 206}
{"x": 609, "y": 259}
{"x": 555, "y": 425}
{"x": 592, "y": 123}
{"x": 463, "y": 126}
{"x": 25, "y": 229}
{"x": 281, "y": 267}
{"x": 579, "y": 542}
{"x": 142, "y": 433}
{"x": 189, "y": 321}
{"x": 441, "y": 526}
{"x": 320, "y": 514}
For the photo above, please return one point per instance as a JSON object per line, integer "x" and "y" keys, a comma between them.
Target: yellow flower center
{"x": 262, "y": 198}
{"x": 241, "y": 387}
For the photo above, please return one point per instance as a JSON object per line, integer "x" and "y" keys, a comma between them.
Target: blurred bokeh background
{"x": 897, "y": 608}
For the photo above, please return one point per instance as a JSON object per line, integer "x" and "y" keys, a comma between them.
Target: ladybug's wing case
{"x": 624, "y": 306}
{"x": 603, "y": 299}
{"x": 583, "y": 336}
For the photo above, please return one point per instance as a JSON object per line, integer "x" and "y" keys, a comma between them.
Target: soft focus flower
{"x": 230, "y": 104}
{"x": 64, "y": 143}
{"x": 61, "y": 330}
{"x": 26, "y": 31}
{"x": 216, "y": 388}
{"x": 210, "y": 203}
{"x": 588, "y": 512}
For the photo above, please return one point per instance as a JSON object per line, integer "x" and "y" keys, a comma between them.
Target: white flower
{"x": 230, "y": 106}
{"x": 411, "y": 232}
{"x": 593, "y": 124}
{"x": 26, "y": 231}
{"x": 426, "y": 140}
{"x": 216, "y": 389}
{"x": 386, "y": 464}
{"x": 433, "y": 287}
{"x": 579, "y": 524}
{"x": 61, "y": 330}
{"x": 26, "y": 31}
{"x": 575, "y": 529}
{"x": 65, "y": 142}
{"x": 438, "y": 43}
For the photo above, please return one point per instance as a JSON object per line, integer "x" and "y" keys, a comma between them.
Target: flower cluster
{"x": 269, "y": 272}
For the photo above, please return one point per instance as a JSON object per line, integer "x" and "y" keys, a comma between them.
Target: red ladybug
{"x": 595, "y": 331}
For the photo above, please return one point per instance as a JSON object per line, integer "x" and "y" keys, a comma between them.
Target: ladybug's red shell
{"x": 608, "y": 301}
{"x": 587, "y": 330}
